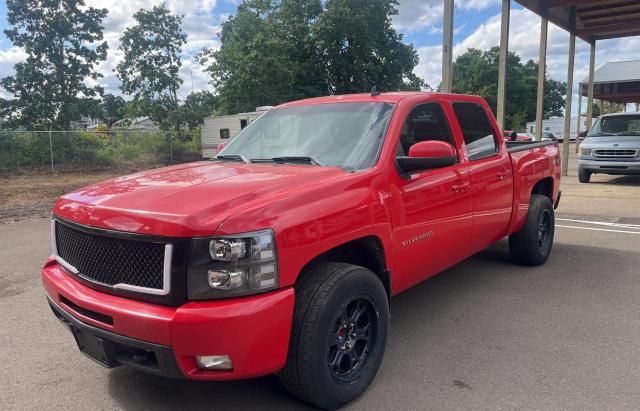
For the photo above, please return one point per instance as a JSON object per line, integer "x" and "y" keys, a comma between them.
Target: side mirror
{"x": 582, "y": 134}
{"x": 427, "y": 155}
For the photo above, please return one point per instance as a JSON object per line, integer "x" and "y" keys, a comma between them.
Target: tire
{"x": 583, "y": 175}
{"x": 532, "y": 244}
{"x": 322, "y": 363}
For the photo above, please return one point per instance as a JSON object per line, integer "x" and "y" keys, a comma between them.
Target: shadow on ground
{"x": 479, "y": 316}
{"x": 625, "y": 181}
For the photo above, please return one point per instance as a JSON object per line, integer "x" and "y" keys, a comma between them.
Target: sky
{"x": 476, "y": 25}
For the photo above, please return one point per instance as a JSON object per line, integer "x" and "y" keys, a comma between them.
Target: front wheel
{"x": 532, "y": 244}
{"x": 338, "y": 336}
{"x": 583, "y": 175}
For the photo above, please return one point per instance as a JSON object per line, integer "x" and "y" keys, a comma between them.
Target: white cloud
{"x": 10, "y": 57}
{"x": 414, "y": 15}
{"x": 476, "y": 4}
{"x": 200, "y": 24}
{"x": 524, "y": 38}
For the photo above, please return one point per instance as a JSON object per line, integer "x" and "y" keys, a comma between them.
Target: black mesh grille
{"x": 111, "y": 261}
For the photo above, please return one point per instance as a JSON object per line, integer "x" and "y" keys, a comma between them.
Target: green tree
{"x": 252, "y": 67}
{"x": 275, "y": 51}
{"x": 63, "y": 42}
{"x": 298, "y": 18}
{"x": 196, "y": 107}
{"x": 361, "y": 49}
{"x": 152, "y": 46}
{"x": 476, "y": 72}
{"x": 554, "y": 92}
{"x": 111, "y": 108}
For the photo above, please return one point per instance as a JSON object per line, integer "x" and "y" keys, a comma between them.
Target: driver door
{"x": 431, "y": 209}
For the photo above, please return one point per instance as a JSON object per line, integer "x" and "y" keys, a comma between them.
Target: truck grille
{"x": 615, "y": 153}
{"x": 123, "y": 263}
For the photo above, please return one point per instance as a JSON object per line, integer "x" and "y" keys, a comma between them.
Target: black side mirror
{"x": 413, "y": 164}
{"x": 427, "y": 155}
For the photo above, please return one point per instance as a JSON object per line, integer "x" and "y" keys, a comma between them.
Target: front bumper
{"x": 254, "y": 331}
{"x": 609, "y": 166}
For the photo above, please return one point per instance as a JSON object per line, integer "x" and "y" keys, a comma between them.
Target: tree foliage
{"x": 63, "y": 42}
{"x": 111, "y": 108}
{"x": 360, "y": 48}
{"x": 274, "y": 51}
{"x": 151, "y": 65}
{"x": 196, "y": 107}
{"x": 476, "y": 72}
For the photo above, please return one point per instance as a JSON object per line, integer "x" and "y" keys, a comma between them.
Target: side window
{"x": 425, "y": 122}
{"x": 476, "y": 129}
{"x": 224, "y": 133}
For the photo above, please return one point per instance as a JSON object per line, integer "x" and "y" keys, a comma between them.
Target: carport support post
{"x": 592, "y": 64}
{"x": 502, "y": 65}
{"x": 542, "y": 63}
{"x": 447, "y": 47}
{"x": 579, "y": 115}
{"x": 567, "y": 108}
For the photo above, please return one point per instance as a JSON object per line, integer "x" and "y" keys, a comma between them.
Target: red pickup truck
{"x": 280, "y": 255}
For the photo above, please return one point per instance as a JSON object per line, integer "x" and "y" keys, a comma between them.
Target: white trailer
{"x": 555, "y": 125}
{"x": 219, "y": 130}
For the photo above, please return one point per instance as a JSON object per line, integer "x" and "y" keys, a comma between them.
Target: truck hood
{"x": 186, "y": 200}
{"x": 612, "y": 142}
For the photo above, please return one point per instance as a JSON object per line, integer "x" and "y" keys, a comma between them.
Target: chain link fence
{"x": 88, "y": 151}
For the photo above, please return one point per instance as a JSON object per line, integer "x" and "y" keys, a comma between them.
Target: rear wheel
{"x": 338, "y": 336}
{"x": 532, "y": 244}
{"x": 583, "y": 175}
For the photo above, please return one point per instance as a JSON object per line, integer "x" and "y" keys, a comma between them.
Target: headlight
{"x": 586, "y": 152}
{"x": 231, "y": 266}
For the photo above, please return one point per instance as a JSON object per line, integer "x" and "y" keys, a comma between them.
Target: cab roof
{"x": 392, "y": 98}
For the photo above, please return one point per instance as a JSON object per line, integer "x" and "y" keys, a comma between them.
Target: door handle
{"x": 503, "y": 175}
{"x": 461, "y": 188}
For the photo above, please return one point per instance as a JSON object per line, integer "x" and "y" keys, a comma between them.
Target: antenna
{"x": 374, "y": 91}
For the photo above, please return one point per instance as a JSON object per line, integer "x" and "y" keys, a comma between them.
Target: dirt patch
{"x": 25, "y": 197}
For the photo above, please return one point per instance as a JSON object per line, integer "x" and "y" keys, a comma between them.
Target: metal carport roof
{"x": 618, "y": 82}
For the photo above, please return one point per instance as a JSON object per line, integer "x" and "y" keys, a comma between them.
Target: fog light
{"x": 214, "y": 362}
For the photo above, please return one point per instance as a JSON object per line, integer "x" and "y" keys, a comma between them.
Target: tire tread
{"x": 312, "y": 292}
{"x": 523, "y": 244}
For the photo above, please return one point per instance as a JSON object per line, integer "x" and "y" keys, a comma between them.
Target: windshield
{"x": 346, "y": 135}
{"x": 627, "y": 125}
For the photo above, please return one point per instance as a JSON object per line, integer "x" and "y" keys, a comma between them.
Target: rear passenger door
{"x": 490, "y": 173}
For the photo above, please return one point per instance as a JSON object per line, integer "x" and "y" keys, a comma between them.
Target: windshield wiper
{"x": 601, "y": 134}
{"x": 628, "y": 133}
{"x": 234, "y": 157}
{"x": 296, "y": 159}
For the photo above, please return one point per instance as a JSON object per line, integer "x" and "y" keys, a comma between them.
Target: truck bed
{"x": 515, "y": 146}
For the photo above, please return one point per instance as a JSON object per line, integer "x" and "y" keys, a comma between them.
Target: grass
{"x": 31, "y": 196}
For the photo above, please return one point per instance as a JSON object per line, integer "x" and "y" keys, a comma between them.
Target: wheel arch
{"x": 367, "y": 252}
{"x": 544, "y": 187}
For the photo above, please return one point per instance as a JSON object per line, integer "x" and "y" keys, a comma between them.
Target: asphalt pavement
{"x": 485, "y": 334}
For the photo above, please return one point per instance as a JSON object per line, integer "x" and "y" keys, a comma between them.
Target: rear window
{"x": 479, "y": 136}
